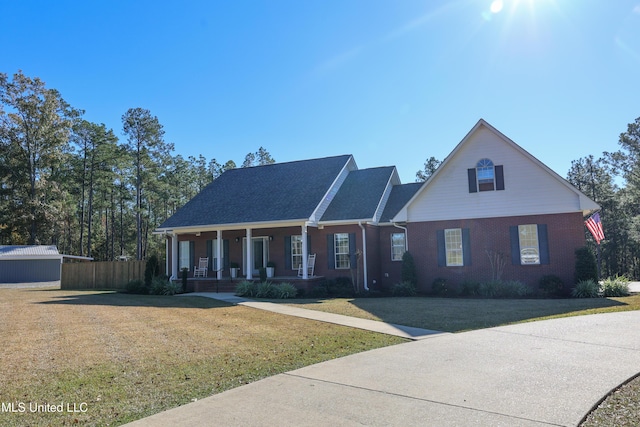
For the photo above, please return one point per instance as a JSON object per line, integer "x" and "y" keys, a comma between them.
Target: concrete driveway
{"x": 548, "y": 373}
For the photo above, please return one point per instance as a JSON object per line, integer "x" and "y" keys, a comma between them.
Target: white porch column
{"x": 249, "y": 265}
{"x": 220, "y": 260}
{"x": 174, "y": 256}
{"x": 305, "y": 253}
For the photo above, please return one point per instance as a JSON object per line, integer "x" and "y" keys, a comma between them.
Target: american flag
{"x": 595, "y": 227}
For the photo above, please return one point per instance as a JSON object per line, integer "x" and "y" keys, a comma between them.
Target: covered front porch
{"x": 240, "y": 254}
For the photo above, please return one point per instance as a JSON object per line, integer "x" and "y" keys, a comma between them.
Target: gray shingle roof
{"x": 400, "y": 195}
{"x": 359, "y": 195}
{"x": 281, "y": 191}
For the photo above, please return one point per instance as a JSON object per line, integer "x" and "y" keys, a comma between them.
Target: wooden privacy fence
{"x": 101, "y": 275}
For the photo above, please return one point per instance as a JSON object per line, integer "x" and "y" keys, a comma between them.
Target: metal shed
{"x": 29, "y": 264}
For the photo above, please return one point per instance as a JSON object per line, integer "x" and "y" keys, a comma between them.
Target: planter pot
{"x": 234, "y": 272}
{"x": 270, "y": 272}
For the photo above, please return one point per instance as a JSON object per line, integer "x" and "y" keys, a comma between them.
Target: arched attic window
{"x": 486, "y": 177}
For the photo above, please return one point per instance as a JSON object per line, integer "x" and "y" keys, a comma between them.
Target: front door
{"x": 260, "y": 246}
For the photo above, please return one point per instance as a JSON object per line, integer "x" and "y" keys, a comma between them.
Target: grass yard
{"x": 115, "y": 358}
{"x": 459, "y": 314}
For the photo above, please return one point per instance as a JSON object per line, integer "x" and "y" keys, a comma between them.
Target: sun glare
{"x": 496, "y": 6}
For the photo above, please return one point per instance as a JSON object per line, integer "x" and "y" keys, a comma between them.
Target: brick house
{"x": 490, "y": 200}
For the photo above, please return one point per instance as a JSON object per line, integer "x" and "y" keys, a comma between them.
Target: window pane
{"x": 214, "y": 253}
{"x": 184, "y": 255}
{"x": 397, "y": 246}
{"x": 453, "y": 246}
{"x": 529, "y": 247}
{"x": 342, "y": 250}
{"x": 486, "y": 175}
{"x": 296, "y": 252}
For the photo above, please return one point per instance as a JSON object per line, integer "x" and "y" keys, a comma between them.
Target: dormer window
{"x": 485, "y": 177}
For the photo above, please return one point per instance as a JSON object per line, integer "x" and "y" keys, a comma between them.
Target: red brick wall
{"x": 565, "y": 233}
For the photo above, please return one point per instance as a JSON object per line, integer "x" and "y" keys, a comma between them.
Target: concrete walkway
{"x": 338, "y": 319}
{"x": 548, "y": 373}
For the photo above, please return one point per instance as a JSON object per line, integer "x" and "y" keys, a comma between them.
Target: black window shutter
{"x": 353, "y": 260}
{"x": 225, "y": 253}
{"x": 331, "y": 258}
{"x": 499, "y": 178}
{"x": 210, "y": 254}
{"x": 466, "y": 247}
{"x": 177, "y": 273}
{"x": 442, "y": 254}
{"x": 473, "y": 186}
{"x": 192, "y": 253}
{"x": 287, "y": 253}
{"x": 515, "y": 245}
{"x": 543, "y": 243}
{"x": 308, "y": 244}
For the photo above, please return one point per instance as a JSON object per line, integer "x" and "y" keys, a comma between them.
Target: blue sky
{"x": 391, "y": 82}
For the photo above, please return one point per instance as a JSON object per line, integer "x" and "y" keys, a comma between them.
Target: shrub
{"x": 586, "y": 289}
{"x": 439, "y": 286}
{"x": 404, "y": 289}
{"x": 470, "y": 288}
{"x": 151, "y": 270}
{"x": 616, "y": 287}
{"x": 489, "y": 289}
{"x": 504, "y": 289}
{"x": 515, "y": 289}
{"x": 265, "y": 290}
{"x": 171, "y": 288}
{"x": 263, "y": 274}
{"x": 246, "y": 289}
{"x": 408, "y": 273}
{"x": 164, "y": 286}
{"x": 319, "y": 291}
{"x": 340, "y": 287}
{"x": 157, "y": 286}
{"x": 136, "y": 287}
{"x": 286, "y": 290}
{"x": 184, "y": 273}
{"x": 551, "y": 285}
{"x": 586, "y": 267}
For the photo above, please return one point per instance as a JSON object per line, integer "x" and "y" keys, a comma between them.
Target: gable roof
{"x": 586, "y": 205}
{"x": 359, "y": 196}
{"x": 269, "y": 193}
{"x": 400, "y": 195}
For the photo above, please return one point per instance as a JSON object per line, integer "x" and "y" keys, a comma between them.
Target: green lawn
{"x": 459, "y": 314}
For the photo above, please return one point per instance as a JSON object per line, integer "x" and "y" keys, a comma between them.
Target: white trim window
{"x": 529, "y": 244}
{"x": 398, "y": 246}
{"x": 486, "y": 175}
{"x": 296, "y": 252}
{"x": 185, "y": 256}
{"x": 341, "y": 245}
{"x": 453, "y": 247}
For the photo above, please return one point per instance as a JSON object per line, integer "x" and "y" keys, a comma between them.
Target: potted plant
{"x": 271, "y": 269}
{"x": 233, "y": 268}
